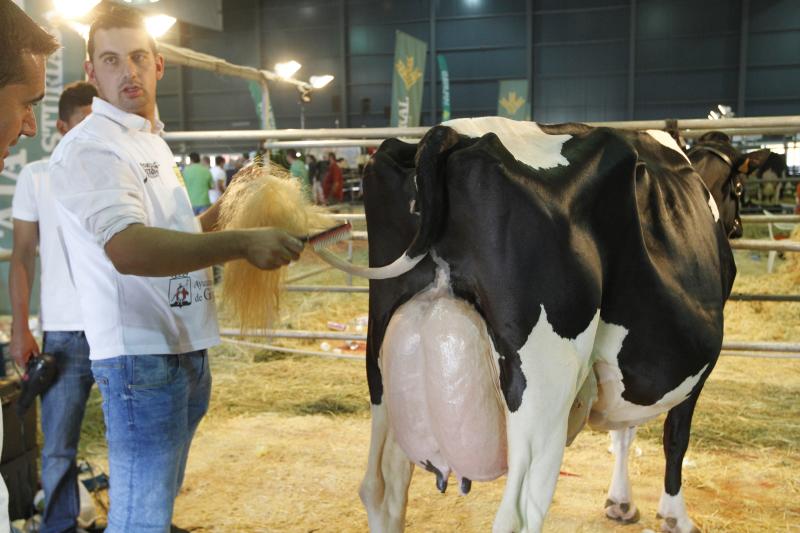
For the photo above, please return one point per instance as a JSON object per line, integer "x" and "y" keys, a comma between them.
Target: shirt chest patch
{"x": 150, "y": 170}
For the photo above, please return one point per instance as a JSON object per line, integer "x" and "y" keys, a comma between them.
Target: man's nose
{"x": 130, "y": 68}
{"x": 29, "y": 124}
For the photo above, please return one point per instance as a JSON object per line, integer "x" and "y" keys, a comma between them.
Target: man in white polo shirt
{"x": 140, "y": 264}
{"x": 64, "y": 403}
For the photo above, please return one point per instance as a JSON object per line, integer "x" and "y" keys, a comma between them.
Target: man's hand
{"x": 23, "y": 346}
{"x": 268, "y": 248}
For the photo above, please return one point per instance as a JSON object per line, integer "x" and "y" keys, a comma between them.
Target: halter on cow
{"x": 549, "y": 276}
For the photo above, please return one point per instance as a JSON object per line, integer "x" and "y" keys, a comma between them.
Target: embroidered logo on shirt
{"x": 180, "y": 291}
{"x": 150, "y": 170}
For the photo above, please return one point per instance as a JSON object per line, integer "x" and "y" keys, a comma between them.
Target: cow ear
{"x": 753, "y": 160}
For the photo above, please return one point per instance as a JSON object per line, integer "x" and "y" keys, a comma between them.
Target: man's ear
{"x": 88, "y": 68}
{"x": 752, "y": 161}
{"x": 159, "y": 66}
{"x": 62, "y": 127}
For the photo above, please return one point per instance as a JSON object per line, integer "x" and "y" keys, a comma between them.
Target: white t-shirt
{"x": 33, "y": 202}
{"x": 107, "y": 173}
{"x": 219, "y": 176}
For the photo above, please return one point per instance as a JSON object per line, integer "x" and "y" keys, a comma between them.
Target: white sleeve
{"x": 101, "y": 190}
{"x": 24, "y": 205}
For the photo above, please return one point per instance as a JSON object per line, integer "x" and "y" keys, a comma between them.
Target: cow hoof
{"x": 624, "y": 513}
{"x": 673, "y": 525}
{"x": 441, "y": 482}
{"x": 466, "y": 485}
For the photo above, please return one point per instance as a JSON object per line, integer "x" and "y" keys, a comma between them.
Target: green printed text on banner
{"x": 409, "y": 76}
{"x": 512, "y": 100}
{"x": 444, "y": 75}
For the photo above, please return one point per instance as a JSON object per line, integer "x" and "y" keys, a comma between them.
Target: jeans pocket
{"x": 151, "y": 371}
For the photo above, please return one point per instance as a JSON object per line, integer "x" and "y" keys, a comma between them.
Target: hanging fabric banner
{"x": 63, "y": 67}
{"x": 512, "y": 100}
{"x": 444, "y": 75}
{"x": 409, "y": 77}
{"x": 260, "y": 95}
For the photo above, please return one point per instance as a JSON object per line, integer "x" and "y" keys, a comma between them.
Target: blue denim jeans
{"x": 152, "y": 405}
{"x": 63, "y": 406}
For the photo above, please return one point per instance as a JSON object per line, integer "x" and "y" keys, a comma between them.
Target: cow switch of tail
{"x": 523, "y": 316}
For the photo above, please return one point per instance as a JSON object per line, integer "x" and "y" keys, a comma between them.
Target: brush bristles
{"x": 258, "y": 197}
{"x": 332, "y": 236}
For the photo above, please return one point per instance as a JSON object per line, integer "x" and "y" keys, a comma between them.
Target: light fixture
{"x": 74, "y": 9}
{"x": 318, "y": 82}
{"x": 158, "y": 25}
{"x": 287, "y": 70}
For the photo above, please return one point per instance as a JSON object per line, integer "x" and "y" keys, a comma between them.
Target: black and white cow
{"x": 724, "y": 170}
{"x": 538, "y": 277}
{"x": 767, "y": 189}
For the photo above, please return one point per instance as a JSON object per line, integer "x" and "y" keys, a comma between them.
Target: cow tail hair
{"x": 431, "y": 160}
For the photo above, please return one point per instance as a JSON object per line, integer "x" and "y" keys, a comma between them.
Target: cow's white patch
{"x": 666, "y": 139}
{"x": 674, "y": 507}
{"x": 554, "y": 368}
{"x": 619, "y": 504}
{"x": 713, "y": 205}
{"x": 525, "y": 140}
{"x": 612, "y": 411}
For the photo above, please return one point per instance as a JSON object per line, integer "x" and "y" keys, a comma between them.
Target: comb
{"x": 329, "y": 237}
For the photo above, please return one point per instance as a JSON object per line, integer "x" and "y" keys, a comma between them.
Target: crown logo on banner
{"x": 512, "y": 102}
{"x": 409, "y": 74}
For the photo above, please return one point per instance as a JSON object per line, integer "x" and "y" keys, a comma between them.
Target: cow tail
{"x": 431, "y": 160}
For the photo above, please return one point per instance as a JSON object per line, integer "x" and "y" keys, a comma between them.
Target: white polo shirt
{"x": 33, "y": 202}
{"x": 107, "y": 173}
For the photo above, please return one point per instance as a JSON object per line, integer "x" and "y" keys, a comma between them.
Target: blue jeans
{"x": 63, "y": 406}
{"x": 152, "y": 405}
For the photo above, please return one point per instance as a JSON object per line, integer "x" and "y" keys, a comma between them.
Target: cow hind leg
{"x": 537, "y": 430}
{"x": 619, "y": 502}
{"x": 384, "y": 490}
{"x": 672, "y": 507}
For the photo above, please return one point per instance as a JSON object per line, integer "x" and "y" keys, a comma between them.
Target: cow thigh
{"x": 442, "y": 387}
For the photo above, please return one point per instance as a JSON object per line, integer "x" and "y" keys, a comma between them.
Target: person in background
{"x": 24, "y": 49}
{"x": 207, "y": 162}
{"x": 333, "y": 184}
{"x": 314, "y": 176}
{"x": 298, "y": 170}
{"x": 199, "y": 181}
{"x": 64, "y": 403}
{"x": 140, "y": 259}
{"x": 218, "y": 173}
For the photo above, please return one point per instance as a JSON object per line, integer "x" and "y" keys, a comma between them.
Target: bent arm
{"x": 21, "y": 273}
{"x": 146, "y": 251}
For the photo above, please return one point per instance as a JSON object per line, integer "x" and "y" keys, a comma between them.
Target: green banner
{"x": 260, "y": 99}
{"x": 63, "y": 67}
{"x": 444, "y": 75}
{"x": 512, "y": 100}
{"x": 409, "y": 77}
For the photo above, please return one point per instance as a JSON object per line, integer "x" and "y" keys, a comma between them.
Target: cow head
{"x": 724, "y": 169}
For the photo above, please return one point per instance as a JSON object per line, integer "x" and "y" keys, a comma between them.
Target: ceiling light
{"x": 158, "y": 25}
{"x": 318, "y": 82}
{"x": 287, "y": 70}
{"x": 74, "y": 9}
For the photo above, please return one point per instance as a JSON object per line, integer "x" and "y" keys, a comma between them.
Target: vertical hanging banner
{"x": 63, "y": 67}
{"x": 260, "y": 95}
{"x": 512, "y": 100}
{"x": 409, "y": 76}
{"x": 444, "y": 75}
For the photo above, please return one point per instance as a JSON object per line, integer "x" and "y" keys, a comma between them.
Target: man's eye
{"x": 110, "y": 60}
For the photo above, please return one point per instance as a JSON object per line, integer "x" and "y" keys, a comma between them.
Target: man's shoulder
{"x": 34, "y": 168}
